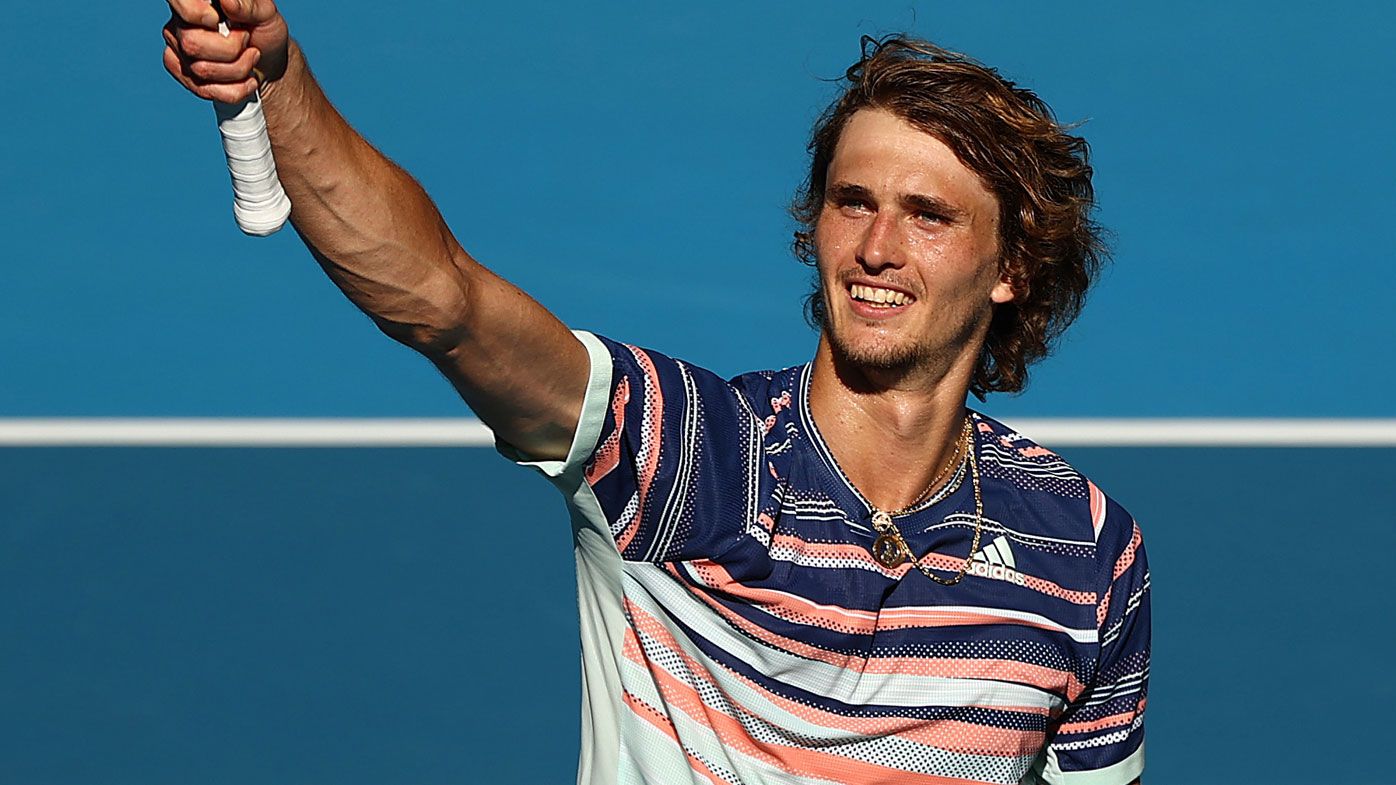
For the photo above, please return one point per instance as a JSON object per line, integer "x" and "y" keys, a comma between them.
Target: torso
{"x": 782, "y": 651}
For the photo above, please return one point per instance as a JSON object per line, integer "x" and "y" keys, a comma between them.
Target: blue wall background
{"x": 293, "y": 616}
{"x": 629, "y": 165}
{"x": 282, "y": 617}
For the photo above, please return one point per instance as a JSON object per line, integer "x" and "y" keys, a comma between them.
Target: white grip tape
{"x": 260, "y": 205}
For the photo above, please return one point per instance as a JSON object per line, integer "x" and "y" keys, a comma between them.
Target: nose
{"x": 881, "y": 245}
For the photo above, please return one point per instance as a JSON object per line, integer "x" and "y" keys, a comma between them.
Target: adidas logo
{"x": 995, "y": 561}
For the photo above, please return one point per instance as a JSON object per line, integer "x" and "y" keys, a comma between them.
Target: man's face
{"x": 908, "y": 248}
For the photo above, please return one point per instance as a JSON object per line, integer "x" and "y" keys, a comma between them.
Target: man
{"x": 831, "y": 573}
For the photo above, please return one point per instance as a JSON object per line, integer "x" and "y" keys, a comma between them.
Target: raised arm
{"x": 381, "y": 239}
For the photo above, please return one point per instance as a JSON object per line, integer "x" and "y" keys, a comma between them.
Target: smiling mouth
{"x": 878, "y": 297}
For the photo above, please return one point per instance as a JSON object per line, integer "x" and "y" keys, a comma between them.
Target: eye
{"x": 853, "y": 205}
{"x": 930, "y": 217}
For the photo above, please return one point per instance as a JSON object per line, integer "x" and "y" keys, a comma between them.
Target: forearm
{"x": 379, "y": 237}
{"x": 369, "y": 224}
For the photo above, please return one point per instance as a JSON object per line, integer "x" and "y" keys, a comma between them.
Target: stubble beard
{"x": 903, "y": 356}
{"x": 886, "y": 357}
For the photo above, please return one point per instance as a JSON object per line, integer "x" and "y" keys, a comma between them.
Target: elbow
{"x": 434, "y": 343}
{"x": 453, "y": 297}
{"x": 438, "y": 319}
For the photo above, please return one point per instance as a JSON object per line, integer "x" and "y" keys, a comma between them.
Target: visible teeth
{"x": 873, "y": 294}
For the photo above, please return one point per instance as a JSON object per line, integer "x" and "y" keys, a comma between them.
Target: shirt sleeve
{"x": 1100, "y": 738}
{"x": 669, "y": 452}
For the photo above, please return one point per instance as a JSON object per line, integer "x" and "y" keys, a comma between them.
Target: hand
{"x": 219, "y": 68}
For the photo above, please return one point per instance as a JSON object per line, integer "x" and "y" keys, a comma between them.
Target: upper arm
{"x": 516, "y": 364}
{"x": 1100, "y": 737}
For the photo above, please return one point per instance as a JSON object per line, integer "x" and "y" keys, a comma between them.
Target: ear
{"x": 1003, "y": 291}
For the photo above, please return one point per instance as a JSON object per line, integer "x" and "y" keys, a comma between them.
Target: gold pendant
{"x": 889, "y": 551}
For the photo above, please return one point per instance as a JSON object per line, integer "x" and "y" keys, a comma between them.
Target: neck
{"x": 890, "y": 431}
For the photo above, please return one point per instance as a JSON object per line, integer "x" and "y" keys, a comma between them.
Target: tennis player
{"x": 832, "y": 573}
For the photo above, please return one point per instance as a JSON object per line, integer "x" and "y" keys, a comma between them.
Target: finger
{"x": 176, "y": 68}
{"x": 195, "y": 12}
{"x": 197, "y": 43}
{"x": 228, "y": 93}
{"x": 248, "y": 12}
{"x": 226, "y": 73}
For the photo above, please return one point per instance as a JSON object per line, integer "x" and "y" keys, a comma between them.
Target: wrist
{"x": 293, "y": 71}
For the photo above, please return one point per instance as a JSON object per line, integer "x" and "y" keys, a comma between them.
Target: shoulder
{"x": 753, "y": 386}
{"x": 1049, "y": 494}
{"x": 669, "y": 390}
{"x": 769, "y": 392}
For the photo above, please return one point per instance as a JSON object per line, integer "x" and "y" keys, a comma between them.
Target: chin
{"x": 877, "y": 355}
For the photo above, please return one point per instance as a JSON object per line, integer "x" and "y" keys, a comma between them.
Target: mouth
{"x": 877, "y": 301}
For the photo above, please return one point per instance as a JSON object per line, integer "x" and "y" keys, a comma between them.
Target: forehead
{"x": 889, "y": 156}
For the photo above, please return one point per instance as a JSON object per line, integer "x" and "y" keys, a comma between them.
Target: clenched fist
{"x": 225, "y": 68}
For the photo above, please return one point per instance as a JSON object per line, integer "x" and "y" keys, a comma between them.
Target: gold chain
{"x": 961, "y": 446}
{"x": 891, "y": 549}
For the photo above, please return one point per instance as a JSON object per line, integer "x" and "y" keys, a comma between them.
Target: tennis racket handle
{"x": 260, "y": 205}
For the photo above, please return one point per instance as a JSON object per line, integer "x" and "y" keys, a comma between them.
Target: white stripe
{"x": 990, "y": 525}
{"x": 770, "y": 725}
{"x": 240, "y": 432}
{"x": 1101, "y": 741}
{"x": 1118, "y": 693}
{"x": 669, "y": 518}
{"x": 653, "y": 590}
{"x": 1078, "y": 635}
{"x": 1055, "y": 469}
{"x": 814, "y": 517}
{"x": 466, "y": 432}
{"x": 1208, "y": 432}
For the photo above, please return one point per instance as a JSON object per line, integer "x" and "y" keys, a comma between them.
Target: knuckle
{"x": 225, "y": 73}
{"x": 212, "y": 46}
{"x": 229, "y": 93}
{"x": 190, "y": 45}
{"x": 232, "y": 73}
{"x": 222, "y": 92}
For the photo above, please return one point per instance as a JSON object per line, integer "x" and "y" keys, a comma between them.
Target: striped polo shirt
{"x": 736, "y": 629}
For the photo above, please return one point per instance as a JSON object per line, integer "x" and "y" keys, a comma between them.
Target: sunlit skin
{"x": 901, "y": 212}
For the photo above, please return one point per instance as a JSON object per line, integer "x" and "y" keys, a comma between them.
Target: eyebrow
{"x": 842, "y": 190}
{"x": 916, "y": 202}
{"x": 931, "y": 204}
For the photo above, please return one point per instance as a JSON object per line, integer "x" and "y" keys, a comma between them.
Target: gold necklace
{"x": 890, "y": 549}
{"x": 961, "y": 446}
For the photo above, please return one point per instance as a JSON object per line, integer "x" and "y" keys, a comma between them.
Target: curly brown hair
{"x": 1052, "y": 251}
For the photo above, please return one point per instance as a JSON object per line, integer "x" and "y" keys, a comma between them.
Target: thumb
{"x": 266, "y": 31}
{"x": 248, "y": 12}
